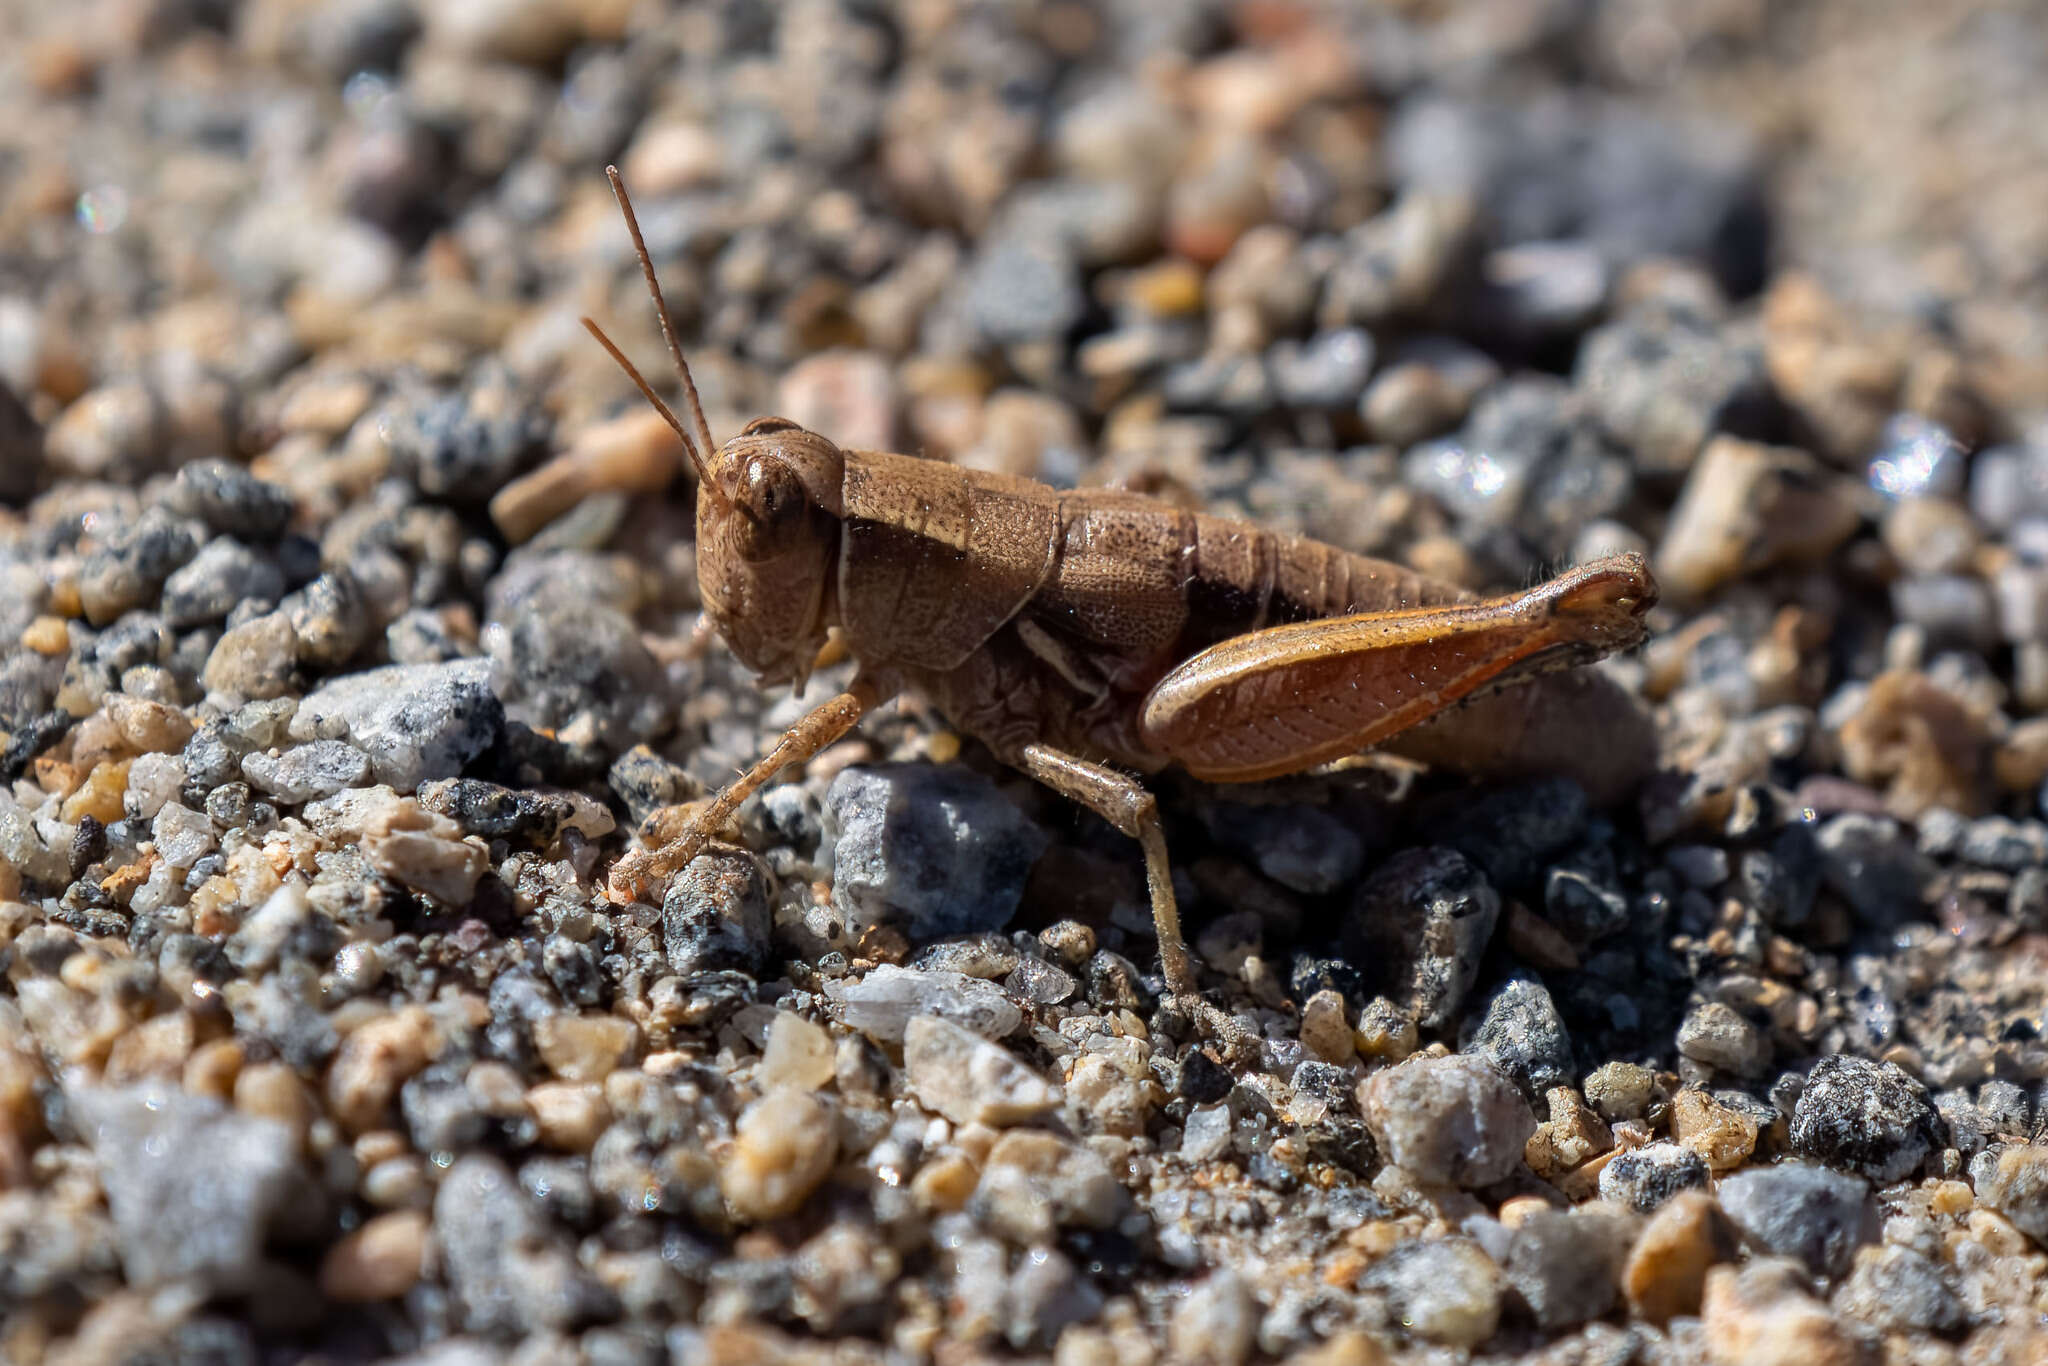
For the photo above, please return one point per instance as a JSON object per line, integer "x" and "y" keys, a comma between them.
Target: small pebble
{"x": 784, "y": 1148}
{"x": 1451, "y": 1121}
{"x": 970, "y": 1080}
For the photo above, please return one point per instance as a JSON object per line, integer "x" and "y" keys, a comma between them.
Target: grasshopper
{"x": 1093, "y": 638}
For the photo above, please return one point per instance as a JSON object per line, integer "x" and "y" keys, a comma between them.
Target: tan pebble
{"x": 1993, "y": 1229}
{"x": 379, "y": 1145}
{"x": 374, "y": 1061}
{"x": 1018, "y": 426}
{"x": 851, "y": 394}
{"x": 1324, "y": 1031}
{"x": 1761, "y": 1316}
{"x": 1931, "y": 535}
{"x": 273, "y": 1090}
{"x": 497, "y": 1087}
{"x": 21, "y": 1081}
{"x": 785, "y": 1147}
{"x": 1516, "y": 1210}
{"x": 636, "y": 453}
{"x": 2021, "y": 763}
{"x": 968, "y": 1079}
{"x": 668, "y": 157}
{"x": 148, "y": 727}
{"x": 1583, "y": 1182}
{"x": 157, "y": 1047}
{"x": 1922, "y": 744}
{"x": 1571, "y": 1136}
{"x": 943, "y": 1184}
{"x": 1170, "y": 289}
{"x": 585, "y": 1047}
{"x": 1666, "y": 1270}
{"x": 1747, "y": 507}
{"x": 1349, "y": 1347}
{"x": 799, "y": 1053}
{"x": 379, "y": 1261}
{"x": 99, "y": 796}
{"x": 212, "y": 1068}
{"x": 569, "y": 1114}
{"x": 426, "y": 852}
{"x": 1442, "y": 557}
{"x": 1385, "y": 1031}
{"x": 56, "y": 777}
{"x": 1951, "y": 1197}
{"x": 327, "y": 405}
{"x": 397, "y": 1183}
{"x": 47, "y": 636}
{"x": 1723, "y": 1138}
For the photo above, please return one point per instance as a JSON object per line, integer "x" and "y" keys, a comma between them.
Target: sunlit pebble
{"x": 1477, "y": 471}
{"x": 366, "y": 93}
{"x": 1915, "y": 452}
{"x": 102, "y": 209}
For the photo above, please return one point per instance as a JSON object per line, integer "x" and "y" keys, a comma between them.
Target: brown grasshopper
{"x": 1089, "y": 636}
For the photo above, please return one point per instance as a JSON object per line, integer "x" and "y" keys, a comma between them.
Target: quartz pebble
{"x": 968, "y": 1079}
{"x": 784, "y": 1148}
{"x": 1452, "y": 1120}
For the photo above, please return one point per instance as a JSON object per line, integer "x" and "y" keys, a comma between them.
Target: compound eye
{"x": 761, "y": 425}
{"x": 774, "y": 501}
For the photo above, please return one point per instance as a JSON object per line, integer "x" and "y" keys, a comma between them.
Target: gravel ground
{"x": 346, "y": 602}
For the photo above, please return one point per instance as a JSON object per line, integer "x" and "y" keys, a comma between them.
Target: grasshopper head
{"x": 767, "y": 543}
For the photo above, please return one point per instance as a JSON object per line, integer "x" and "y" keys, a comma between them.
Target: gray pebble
{"x": 1328, "y": 371}
{"x": 935, "y": 849}
{"x": 1898, "y": 1290}
{"x": 2008, "y": 845}
{"x": 1643, "y": 1178}
{"x": 193, "y": 1186}
{"x": 716, "y": 914}
{"x": 882, "y": 1003}
{"x": 1448, "y": 1121}
{"x": 231, "y": 500}
{"x": 1798, "y": 1210}
{"x": 1441, "y": 1289}
{"x": 1870, "y": 863}
{"x": 1871, "y": 1118}
{"x": 1663, "y": 381}
{"x": 1718, "y": 1036}
{"x": 1304, "y": 848}
{"x": 130, "y": 569}
{"x": 330, "y": 619}
{"x": 224, "y": 574}
{"x": 1951, "y": 608}
{"x": 1427, "y": 915}
{"x": 416, "y": 722}
{"x": 1521, "y": 1033}
{"x": 508, "y": 1274}
{"x": 2009, "y": 485}
{"x": 1020, "y": 292}
{"x": 308, "y": 772}
{"x": 558, "y": 662}
{"x": 466, "y": 446}
{"x": 1567, "y": 1266}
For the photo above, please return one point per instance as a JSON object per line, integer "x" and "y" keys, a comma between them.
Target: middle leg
{"x": 1124, "y": 803}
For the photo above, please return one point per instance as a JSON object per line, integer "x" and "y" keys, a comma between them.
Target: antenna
{"x": 699, "y": 451}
